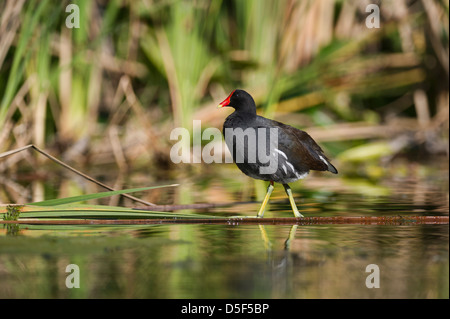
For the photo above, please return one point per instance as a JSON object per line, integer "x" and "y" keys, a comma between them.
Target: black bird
{"x": 269, "y": 150}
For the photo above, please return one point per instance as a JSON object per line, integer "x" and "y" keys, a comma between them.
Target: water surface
{"x": 244, "y": 261}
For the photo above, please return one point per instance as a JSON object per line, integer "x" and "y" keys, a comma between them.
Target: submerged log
{"x": 354, "y": 220}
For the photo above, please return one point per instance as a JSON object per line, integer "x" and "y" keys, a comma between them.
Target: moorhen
{"x": 294, "y": 151}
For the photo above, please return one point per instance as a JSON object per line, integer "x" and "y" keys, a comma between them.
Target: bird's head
{"x": 241, "y": 101}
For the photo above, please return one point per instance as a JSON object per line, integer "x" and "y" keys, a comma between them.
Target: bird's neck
{"x": 246, "y": 111}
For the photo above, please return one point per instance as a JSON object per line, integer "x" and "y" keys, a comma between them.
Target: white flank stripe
{"x": 292, "y": 167}
{"x": 280, "y": 152}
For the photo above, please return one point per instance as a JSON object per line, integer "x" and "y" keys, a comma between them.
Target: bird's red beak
{"x": 226, "y": 102}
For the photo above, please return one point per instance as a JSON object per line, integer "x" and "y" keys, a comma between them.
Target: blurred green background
{"x": 111, "y": 91}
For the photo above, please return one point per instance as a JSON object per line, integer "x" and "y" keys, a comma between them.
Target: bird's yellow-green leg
{"x": 287, "y": 243}
{"x": 266, "y": 200}
{"x": 291, "y": 200}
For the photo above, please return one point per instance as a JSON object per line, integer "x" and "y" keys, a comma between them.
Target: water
{"x": 216, "y": 261}
{"x": 244, "y": 261}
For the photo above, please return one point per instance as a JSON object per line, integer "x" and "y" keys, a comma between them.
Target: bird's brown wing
{"x": 304, "y": 151}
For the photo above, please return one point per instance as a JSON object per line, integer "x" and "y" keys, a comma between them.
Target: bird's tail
{"x": 331, "y": 168}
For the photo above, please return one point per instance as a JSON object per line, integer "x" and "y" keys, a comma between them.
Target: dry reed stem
{"x": 71, "y": 169}
{"x": 10, "y": 22}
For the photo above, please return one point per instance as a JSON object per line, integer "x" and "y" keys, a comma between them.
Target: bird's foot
{"x": 297, "y": 214}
